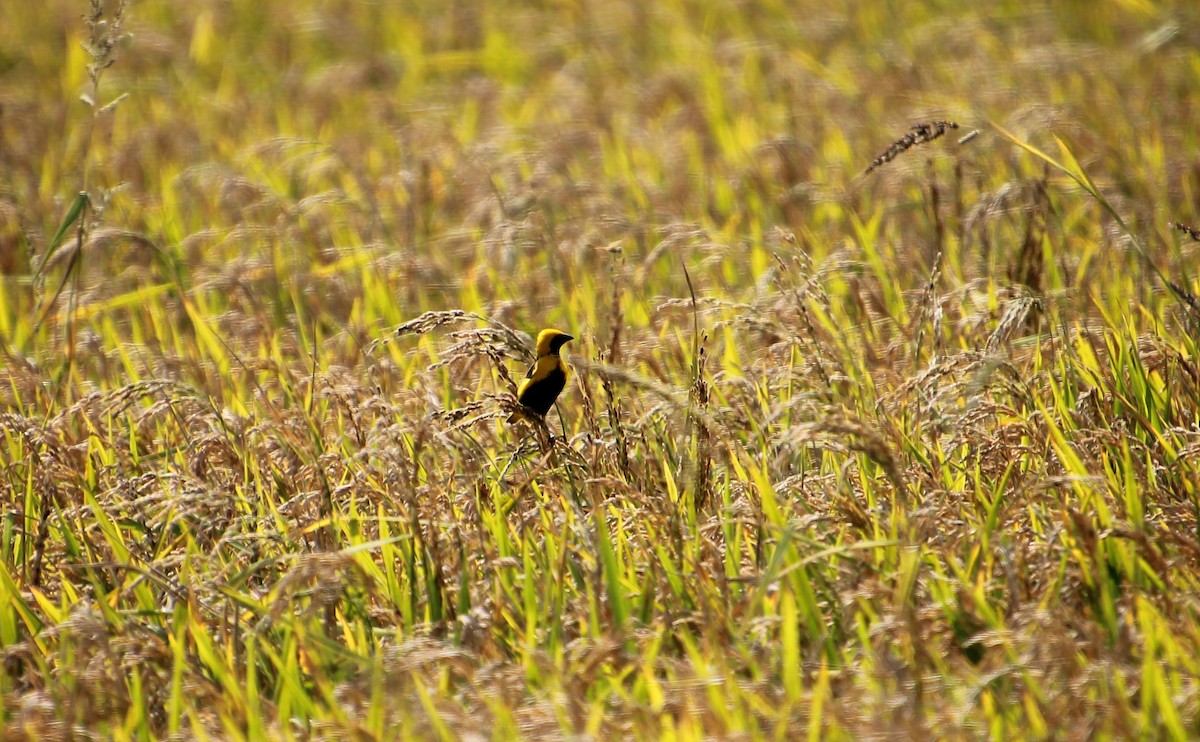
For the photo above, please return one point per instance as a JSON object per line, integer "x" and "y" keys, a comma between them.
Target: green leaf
{"x": 72, "y": 216}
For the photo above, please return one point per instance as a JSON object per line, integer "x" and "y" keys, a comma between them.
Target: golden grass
{"x": 912, "y": 453}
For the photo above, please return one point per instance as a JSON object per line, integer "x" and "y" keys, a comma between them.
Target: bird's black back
{"x": 540, "y": 395}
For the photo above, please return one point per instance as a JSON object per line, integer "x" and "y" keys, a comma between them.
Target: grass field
{"x": 874, "y": 432}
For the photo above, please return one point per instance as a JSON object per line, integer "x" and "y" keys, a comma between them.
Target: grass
{"x": 885, "y": 415}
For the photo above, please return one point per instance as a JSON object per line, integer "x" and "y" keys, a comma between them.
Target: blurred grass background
{"x": 903, "y": 453}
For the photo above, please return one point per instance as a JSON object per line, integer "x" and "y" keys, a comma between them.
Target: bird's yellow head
{"x": 549, "y": 342}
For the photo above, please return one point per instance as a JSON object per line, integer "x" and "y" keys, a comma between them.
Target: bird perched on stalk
{"x": 548, "y": 374}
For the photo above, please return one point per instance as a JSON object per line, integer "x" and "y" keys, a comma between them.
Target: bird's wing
{"x": 527, "y": 380}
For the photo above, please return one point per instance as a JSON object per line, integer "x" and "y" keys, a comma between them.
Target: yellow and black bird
{"x": 548, "y": 374}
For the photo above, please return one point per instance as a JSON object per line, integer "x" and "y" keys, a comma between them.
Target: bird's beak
{"x": 567, "y": 337}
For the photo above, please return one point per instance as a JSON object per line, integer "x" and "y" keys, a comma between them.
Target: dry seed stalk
{"x": 700, "y": 394}
{"x": 1189, "y": 231}
{"x": 919, "y": 134}
{"x": 1187, "y": 297}
{"x": 613, "y": 356}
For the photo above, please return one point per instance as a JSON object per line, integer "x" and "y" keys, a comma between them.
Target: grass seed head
{"x": 920, "y": 134}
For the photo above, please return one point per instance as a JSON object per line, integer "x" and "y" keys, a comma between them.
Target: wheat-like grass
{"x": 838, "y": 462}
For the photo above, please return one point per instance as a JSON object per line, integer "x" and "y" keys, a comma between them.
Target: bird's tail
{"x": 518, "y": 415}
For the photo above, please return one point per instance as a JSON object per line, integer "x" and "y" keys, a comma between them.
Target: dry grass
{"x": 906, "y": 456}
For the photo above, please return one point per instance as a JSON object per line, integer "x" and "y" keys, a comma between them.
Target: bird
{"x": 547, "y": 376}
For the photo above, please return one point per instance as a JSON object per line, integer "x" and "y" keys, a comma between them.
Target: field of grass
{"x": 864, "y": 441}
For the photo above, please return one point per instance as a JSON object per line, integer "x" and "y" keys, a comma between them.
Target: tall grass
{"x": 875, "y": 430}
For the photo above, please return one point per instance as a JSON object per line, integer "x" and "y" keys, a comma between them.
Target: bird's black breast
{"x": 539, "y": 396}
